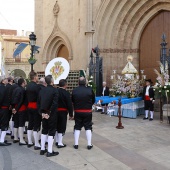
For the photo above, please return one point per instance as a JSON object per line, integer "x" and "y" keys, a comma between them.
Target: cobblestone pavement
{"x": 141, "y": 145}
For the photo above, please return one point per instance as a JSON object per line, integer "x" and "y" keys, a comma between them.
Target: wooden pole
{"x": 120, "y": 116}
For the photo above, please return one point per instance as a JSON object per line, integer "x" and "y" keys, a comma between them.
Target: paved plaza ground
{"x": 141, "y": 145}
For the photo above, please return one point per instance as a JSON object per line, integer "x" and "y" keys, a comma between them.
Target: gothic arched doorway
{"x": 63, "y": 52}
{"x": 150, "y": 43}
{"x": 18, "y": 73}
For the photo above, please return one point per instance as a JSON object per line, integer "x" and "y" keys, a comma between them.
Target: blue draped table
{"x": 131, "y": 107}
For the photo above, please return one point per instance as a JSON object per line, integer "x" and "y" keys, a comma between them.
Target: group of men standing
{"x": 46, "y": 109}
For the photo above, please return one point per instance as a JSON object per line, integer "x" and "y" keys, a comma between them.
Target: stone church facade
{"x": 71, "y": 28}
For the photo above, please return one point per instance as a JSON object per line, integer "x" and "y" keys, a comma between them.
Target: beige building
{"x": 19, "y": 65}
{"x": 71, "y": 28}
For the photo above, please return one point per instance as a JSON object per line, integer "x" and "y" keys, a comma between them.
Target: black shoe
{"x": 8, "y": 134}
{"x": 15, "y": 141}
{"x": 12, "y": 137}
{"x": 56, "y": 144}
{"x": 145, "y": 118}
{"x": 61, "y": 146}
{"x": 37, "y": 148}
{"x": 4, "y": 144}
{"x": 22, "y": 143}
{"x": 102, "y": 112}
{"x": 150, "y": 119}
{"x": 42, "y": 152}
{"x": 76, "y": 146}
{"x": 89, "y": 147}
{"x": 52, "y": 154}
{"x": 30, "y": 145}
{"x": 25, "y": 132}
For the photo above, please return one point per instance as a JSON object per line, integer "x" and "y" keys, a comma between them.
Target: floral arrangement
{"x": 162, "y": 85}
{"x": 127, "y": 87}
{"x": 92, "y": 84}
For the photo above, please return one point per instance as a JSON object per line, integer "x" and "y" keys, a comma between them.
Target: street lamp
{"x": 32, "y": 60}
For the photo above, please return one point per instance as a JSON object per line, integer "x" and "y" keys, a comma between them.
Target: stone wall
{"x": 116, "y": 26}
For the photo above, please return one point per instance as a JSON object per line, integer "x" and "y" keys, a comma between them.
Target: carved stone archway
{"x": 56, "y": 40}
{"x": 119, "y": 25}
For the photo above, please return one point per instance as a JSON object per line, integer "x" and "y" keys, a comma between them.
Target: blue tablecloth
{"x": 124, "y": 100}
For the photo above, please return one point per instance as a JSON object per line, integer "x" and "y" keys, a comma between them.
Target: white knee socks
{"x": 3, "y": 134}
{"x": 29, "y": 135}
{"x": 11, "y": 125}
{"x": 151, "y": 112}
{"x": 89, "y": 136}
{"x": 43, "y": 140}
{"x": 56, "y": 136}
{"x": 60, "y": 139}
{"x": 15, "y": 133}
{"x": 76, "y": 136}
{"x": 50, "y": 143}
{"x": 21, "y": 134}
{"x": 146, "y": 113}
{"x": 36, "y": 138}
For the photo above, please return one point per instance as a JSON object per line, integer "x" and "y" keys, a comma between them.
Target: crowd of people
{"x": 40, "y": 107}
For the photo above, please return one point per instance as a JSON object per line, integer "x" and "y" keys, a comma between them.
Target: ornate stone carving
{"x": 110, "y": 50}
{"x": 56, "y": 9}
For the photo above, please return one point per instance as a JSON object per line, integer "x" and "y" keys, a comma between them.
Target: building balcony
{"x": 16, "y": 61}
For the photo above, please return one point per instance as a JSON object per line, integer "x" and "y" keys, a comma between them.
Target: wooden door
{"x": 63, "y": 52}
{"x": 150, "y": 43}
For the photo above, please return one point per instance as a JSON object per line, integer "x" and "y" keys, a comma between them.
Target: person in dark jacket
{"x": 83, "y": 98}
{"x": 4, "y": 113}
{"x": 9, "y": 95}
{"x": 20, "y": 103}
{"x": 148, "y": 97}
{"x": 64, "y": 107}
{"x": 34, "y": 118}
{"x": 48, "y": 103}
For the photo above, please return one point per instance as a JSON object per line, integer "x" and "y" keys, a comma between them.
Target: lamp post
{"x": 32, "y": 60}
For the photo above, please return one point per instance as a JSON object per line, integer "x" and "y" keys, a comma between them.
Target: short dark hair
{"x": 10, "y": 79}
{"x": 16, "y": 80}
{"x": 48, "y": 79}
{"x": 82, "y": 81}
{"x": 20, "y": 81}
{"x": 32, "y": 75}
{"x": 62, "y": 82}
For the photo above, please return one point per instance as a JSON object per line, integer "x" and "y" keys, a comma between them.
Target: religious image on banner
{"x": 59, "y": 69}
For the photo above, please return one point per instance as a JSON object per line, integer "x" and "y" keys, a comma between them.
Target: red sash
{"x": 147, "y": 97}
{"x": 22, "y": 108}
{"x": 61, "y": 109}
{"x": 4, "y": 107}
{"x": 84, "y": 110}
{"x": 32, "y": 105}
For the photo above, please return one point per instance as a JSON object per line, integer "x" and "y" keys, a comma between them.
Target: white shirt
{"x": 104, "y": 88}
{"x": 147, "y": 91}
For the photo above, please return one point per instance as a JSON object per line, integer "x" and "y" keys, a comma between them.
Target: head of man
{"x": 33, "y": 76}
{"x": 5, "y": 81}
{"x": 82, "y": 81}
{"x": 10, "y": 80}
{"x": 16, "y": 80}
{"x": 42, "y": 82}
{"x": 1, "y": 79}
{"x": 63, "y": 83}
{"x": 21, "y": 82}
{"x": 148, "y": 82}
{"x": 49, "y": 80}
{"x": 104, "y": 84}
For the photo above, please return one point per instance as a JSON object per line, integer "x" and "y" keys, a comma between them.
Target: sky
{"x": 17, "y": 15}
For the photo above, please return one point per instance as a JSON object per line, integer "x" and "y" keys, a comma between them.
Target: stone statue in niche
{"x": 56, "y": 9}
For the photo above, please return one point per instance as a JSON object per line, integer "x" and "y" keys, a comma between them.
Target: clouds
{"x": 17, "y": 14}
